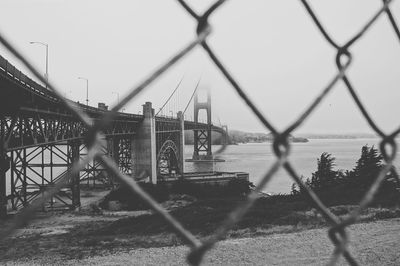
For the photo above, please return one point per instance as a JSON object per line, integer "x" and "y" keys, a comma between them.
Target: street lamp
{"x": 87, "y": 89}
{"x": 47, "y": 59}
{"x": 117, "y": 95}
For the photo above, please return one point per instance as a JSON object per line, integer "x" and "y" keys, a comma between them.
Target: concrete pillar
{"x": 181, "y": 162}
{"x": 144, "y": 146}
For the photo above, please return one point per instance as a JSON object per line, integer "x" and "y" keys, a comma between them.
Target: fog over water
{"x": 256, "y": 158}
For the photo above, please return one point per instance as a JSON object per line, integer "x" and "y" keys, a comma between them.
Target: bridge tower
{"x": 225, "y": 136}
{"x": 144, "y": 146}
{"x": 202, "y": 138}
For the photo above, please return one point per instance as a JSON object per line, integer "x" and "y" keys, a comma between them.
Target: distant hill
{"x": 339, "y": 136}
{"x": 237, "y": 136}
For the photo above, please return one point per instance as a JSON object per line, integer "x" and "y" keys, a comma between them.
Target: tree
{"x": 367, "y": 167}
{"x": 294, "y": 190}
{"x": 325, "y": 176}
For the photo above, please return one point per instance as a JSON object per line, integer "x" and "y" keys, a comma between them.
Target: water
{"x": 256, "y": 158}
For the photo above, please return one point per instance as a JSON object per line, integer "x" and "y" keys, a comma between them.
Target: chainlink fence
{"x": 281, "y": 147}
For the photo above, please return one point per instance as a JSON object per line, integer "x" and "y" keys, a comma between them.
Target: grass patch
{"x": 275, "y": 214}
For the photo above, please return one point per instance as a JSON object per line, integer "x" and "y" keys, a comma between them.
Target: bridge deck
{"x": 32, "y": 115}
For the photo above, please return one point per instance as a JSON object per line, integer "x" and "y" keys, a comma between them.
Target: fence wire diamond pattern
{"x": 281, "y": 146}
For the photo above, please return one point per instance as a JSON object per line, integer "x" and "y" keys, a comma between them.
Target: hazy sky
{"x": 272, "y": 48}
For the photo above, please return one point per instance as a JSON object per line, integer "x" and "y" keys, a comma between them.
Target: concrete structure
{"x": 144, "y": 146}
{"x": 102, "y": 106}
{"x": 181, "y": 162}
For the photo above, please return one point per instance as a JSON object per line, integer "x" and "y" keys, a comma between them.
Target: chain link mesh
{"x": 281, "y": 146}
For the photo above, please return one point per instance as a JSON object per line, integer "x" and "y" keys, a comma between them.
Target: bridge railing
{"x": 11, "y": 71}
{"x": 338, "y": 232}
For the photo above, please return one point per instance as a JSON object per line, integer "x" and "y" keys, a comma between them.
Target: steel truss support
{"x": 75, "y": 179}
{"x": 113, "y": 152}
{"x": 170, "y": 147}
{"x": 33, "y": 170}
{"x": 202, "y": 138}
{"x": 125, "y": 155}
{"x": 120, "y": 149}
{"x": 94, "y": 173}
{"x": 38, "y": 127}
{"x": 4, "y": 167}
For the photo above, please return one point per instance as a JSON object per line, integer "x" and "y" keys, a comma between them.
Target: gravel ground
{"x": 375, "y": 243}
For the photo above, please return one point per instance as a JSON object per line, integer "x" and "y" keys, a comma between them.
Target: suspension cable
{"x": 172, "y": 94}
{"x": 191, "y": 97}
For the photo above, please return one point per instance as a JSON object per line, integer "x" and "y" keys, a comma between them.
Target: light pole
{"x": 47, "y": 59}
{"x": 87, "y": 89}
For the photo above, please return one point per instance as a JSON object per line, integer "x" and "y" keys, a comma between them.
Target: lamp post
{"x": 47, "y": 59}
{"x": 87, "y": 89}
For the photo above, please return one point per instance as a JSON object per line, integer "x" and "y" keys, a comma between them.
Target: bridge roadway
{"x": 43, "y": 119}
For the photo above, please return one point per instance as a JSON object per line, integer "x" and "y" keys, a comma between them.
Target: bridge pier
{"x": 144, "y": 146}
{"x": 113, "y": 151}
{"x": 75, "y": 179}
{"x": 4, "y": 167}
{"x": 181, "y": 144}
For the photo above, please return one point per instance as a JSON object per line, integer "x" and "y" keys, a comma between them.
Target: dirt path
{"x": 376, "y": 243}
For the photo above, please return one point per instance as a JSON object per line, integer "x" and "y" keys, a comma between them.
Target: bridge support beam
{"x": 113, "y": 151}
{"x": 75, "y": 179}
{"x": 144, "y": 146}
{"x": 181, "y": 161}
{"x": 4, "y": 166}
{"x": 202, "y": 138}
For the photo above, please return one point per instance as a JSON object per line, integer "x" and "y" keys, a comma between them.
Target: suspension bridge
{"x": 42, "y": 139}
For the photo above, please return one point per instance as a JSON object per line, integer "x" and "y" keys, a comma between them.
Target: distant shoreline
{"x": 338, "y": 136}
{"x": 308, "y": 140}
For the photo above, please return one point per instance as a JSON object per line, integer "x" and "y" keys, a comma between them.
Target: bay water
{"x": 257, "y": 158}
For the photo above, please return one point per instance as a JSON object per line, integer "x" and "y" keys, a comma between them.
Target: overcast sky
{"x": 272, "y": 48}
